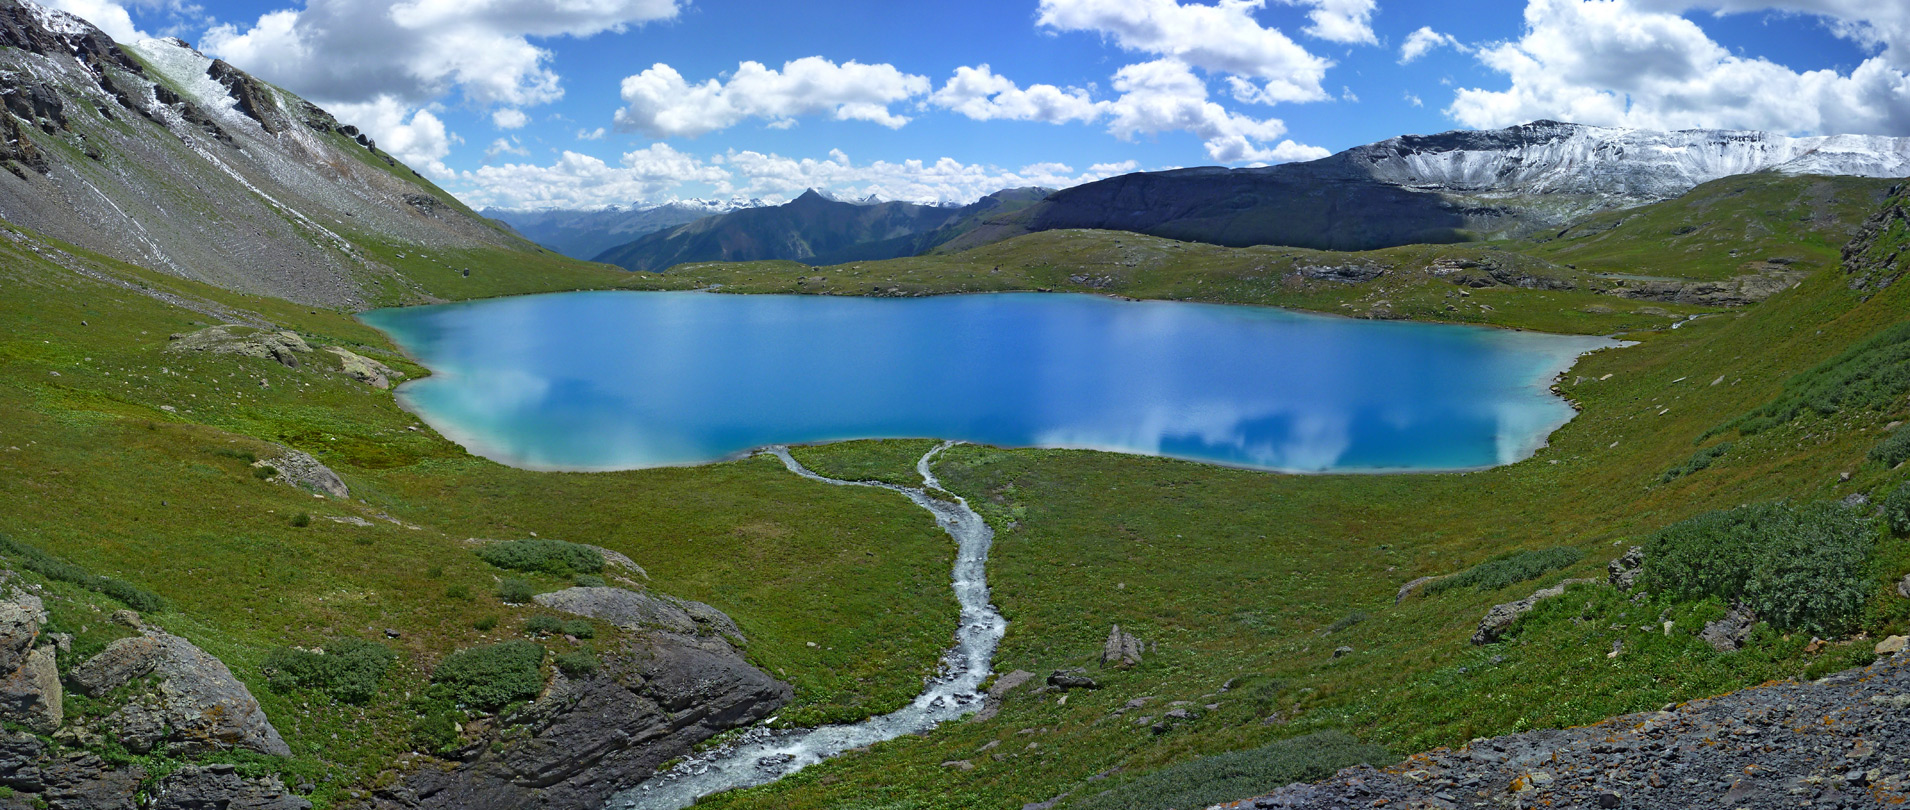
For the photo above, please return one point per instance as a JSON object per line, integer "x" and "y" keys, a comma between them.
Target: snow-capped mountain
{"x": 584, "y": 233}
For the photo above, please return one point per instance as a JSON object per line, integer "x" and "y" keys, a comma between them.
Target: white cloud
{"x": 1621, "y": 63}
{"x": 774, "y": 176}
{"x": 1880, "y": 25}
{"x": 1165, "y": 95}
{"x": 416, "y": 137}
{"x": 1415, "y": 100}
{"x": 592, "y": 134}
{"x": 659, "y": 103}
{"x": 509, "y": 118}
{"x": 1344, "y": 21}
{"x": 506, "y": 146}
{"x": 417, "y": 51}
{"x": 583, "y": 181}
{"x": 1222, "y": 38}
{"x": 1422, "y": 41}
{"x": 977, "y": 92}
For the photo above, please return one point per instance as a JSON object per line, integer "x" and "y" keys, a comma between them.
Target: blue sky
{"x": 590, "y": 102}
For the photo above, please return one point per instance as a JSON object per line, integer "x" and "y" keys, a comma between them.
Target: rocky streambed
{"x": 1840, "y": 742}
{"x": 763, "y": 755}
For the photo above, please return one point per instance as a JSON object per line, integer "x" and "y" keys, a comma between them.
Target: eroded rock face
{"x": 1877, "y": 256}
{"x": 1501, "y": 617}
{"x": 637, "y": 610}
{"x": 220, "y": 787}
{"x": 245, "y": 341}
{"x": 198, "y": 706}
{"x": 586, "y": 739}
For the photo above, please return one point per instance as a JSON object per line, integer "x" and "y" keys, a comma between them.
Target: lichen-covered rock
{"x": 245, "y": 341}
{"x": 1502, "y": 616}
{"x": 196, "y": 708}
{"x": 299, "y": 469}
{"x": 1121, "y": 650}
{"x": 637, "y": 610}
{"x": 362, "y": 368}
{"x": 220, "y": 787}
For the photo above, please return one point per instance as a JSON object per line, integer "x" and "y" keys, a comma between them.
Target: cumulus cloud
{"x": 1876, "y": 24}
{"x": 582, "y": 181}
{"x": 592, "y": 134}
{"x": 417, "y": 51}
{"x": 1222, "y": 38}
{"x": 509, "y": 118}
{"x": 977, "y": 92}
{"x": 1633, "y": 63}
{"x": 416, "y": 137}
{"x": 1344, "y": 21}
{"x": 506, "y": 146}
{"x": 660, "y": 103}
{"x": 1165, "y": 95}
{"x": 1423, "y": 41}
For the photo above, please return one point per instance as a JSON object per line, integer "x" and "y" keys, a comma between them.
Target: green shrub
{"x": 54, "y": 568}
{"x": 437, "y": 733}
{"x": 1346, "y": 621}
{"x": 554, "y": 557}
{"x": 1894, "y": 449}
{"x": 1697, "y": 461}
{"x": 544, "y": 625}
{"x": 580, "y": 628}
{"x": 1211, "y": 780}
{"x": 485, "y": 624}
{"x": 515, "y": 591}
{"x": 265, "y": 472}
{"x": 457, "y": 592}
{"x": 1799, "y": 568}
{"x": 577, "y": 663}
{"x": 302, "y": 520}
{"x": 588, "y": 581}
{"x": 1896, "y": 508}
{"x": 348, "y": 669}
{"x": 492, "y": 675}
{"x": 1507, "y": 569}
{"x": 1872, "y": 375}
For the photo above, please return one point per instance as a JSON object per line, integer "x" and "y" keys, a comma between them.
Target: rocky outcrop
{"x": 1122, "y": 650}
{"x": 253, "y": 98}
{"x": 999, "y": 690}
{"x": 197, "y": 707}
{"x": 585, "y": 739}
{"x": 245, "y": 341}
{"x": 220, "y": 787}
{"x": 1739, "y": 291}
{"x": 1729, "y": 633}
{"x": 639, "y": 610}
{"x": 1072, "y": 679}
{"x": 1345, "y": 273}
{"x": 30, "y": 692}
{"x": 1501, "y": 617}
{"x": 1838, "y": 742}
{"x": 362, "y": 368}
{"x": 1490, "y": 271}
{"x": 299, "y": 469}
{"x": 1411, "y": 587}
{"x": 1624, "y": 571}
{"x": 1876, "y": 257}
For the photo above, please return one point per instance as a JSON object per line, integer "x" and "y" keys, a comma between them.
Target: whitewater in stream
{"x": 763, "y": 755}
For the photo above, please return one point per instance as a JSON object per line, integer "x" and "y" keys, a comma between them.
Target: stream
{"x": 763, "y": 755}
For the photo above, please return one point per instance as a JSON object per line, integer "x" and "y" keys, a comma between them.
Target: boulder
{"x": 1623, "y": 572}
{"x": 1122, "y": 649}
{"x": 21, "y": 616}
{"x": 1501, "y": 617}
{"x": 998, "y": 690}
{"x": 1071, "y": 679}
{"x": 362, "y": 368}
{"x": 1728, "y": 634}
{"x": 31, "y": 694}
{"x": 299, "y": 469}
{"x": 1891, "y": 645}
{"x": 245, "y": 341}
{"x": 638, "y": 610}
{"x": 85, "y": 782}
{"x": 1903, "y": 586}
{"x": 197, "y": 707}
{"x": 220, "y": 787}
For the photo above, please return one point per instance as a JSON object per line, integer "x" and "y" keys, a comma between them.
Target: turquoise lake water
{"x": 626, "y": 380}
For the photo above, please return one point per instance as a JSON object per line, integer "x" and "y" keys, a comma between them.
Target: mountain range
{"x": 585, "y": 233}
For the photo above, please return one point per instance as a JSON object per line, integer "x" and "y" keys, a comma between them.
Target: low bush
{"x": 1211, "y": 780}
{"x": 348, "y": 669}
{"x": 485, "y": 624}
{"x": 1894, "y": 449}
{"x": 54, "y": 568}
{"x": 1896, "y": 508}
{"x": 265, "y": 472}
{"x": 544, "y": 625}
{"x": 1697, "y": 461}
{"x": 515, "y": 591}
{"x": 1800, "y": 568}
{"x": 580, "y": 628}
{"x": 457, "y": 592}
{"x": 1871, "y": 375}
{"x": 1346, "y": 621}
{"x": 302, "y": 520}
{"x": 490, "y": 676}
{"x": 577, "y": 663}
{"x": 588, "y": 581}
{"x": 554, "y": 557}
{"x": 1507, "y": 569}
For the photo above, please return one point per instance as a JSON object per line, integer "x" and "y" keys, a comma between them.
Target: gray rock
{"x": 21, "y": 617}
{"x": 586, "y": 739}
{"x": 1623, "y": 572}
{"x": 1071, "y": 679}
{"x": 998, "y": 690}
{"x": 1728, "y": 634}
{"x": 1122, "y": 649}
{"x": 219, "y": 788}
{"x": 197, "y": 707}
{"x": 1903, "y": 586}
{"x": 1501, "y": 617}
{"x": 86, "y": 782}
{"x": 299, "y": 469}
{"x": 638, "y": 610}
{"x": 1410, "y": 588}
{"x": 1342, "y": 652}
{"x": 244, "y": 341}
{"x": 362, "y": 368}
{"x": 31, "y": 694}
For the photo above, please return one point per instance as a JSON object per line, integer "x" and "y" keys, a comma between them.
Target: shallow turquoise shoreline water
{"x": 625, "y": 380}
